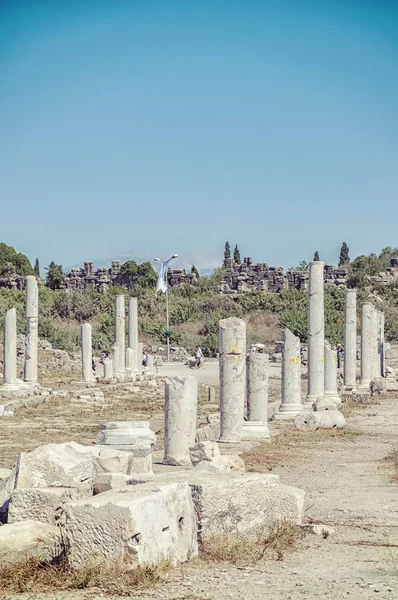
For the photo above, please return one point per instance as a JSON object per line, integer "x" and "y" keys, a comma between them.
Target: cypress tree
{"x": 316, "y": 256}
{"x": 237, "y": 255}
{"x": 344, "y": 255}
{"x": 37, "y": 268}
{"x": 227, "y": 254}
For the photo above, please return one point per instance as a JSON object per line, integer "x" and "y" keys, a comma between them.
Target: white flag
{"x": 161, "y": 285}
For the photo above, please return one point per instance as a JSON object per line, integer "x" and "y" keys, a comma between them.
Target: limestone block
{"x": 131, "y": 433}
{"x": 329, "y": 419}
{"x": 68, "y": 465}
{"x": 378, "y": 386}
{"x": 204, "y": 451}
{"x": 6, "y": 488}
{"x": 226, "y": 462}
{"x": 242, "y": 504}
{"x": 27, "y": 539}
{"x": 148, "y": 523}
{"x": 39, "y": 504}
{"x": 110, "y": 481}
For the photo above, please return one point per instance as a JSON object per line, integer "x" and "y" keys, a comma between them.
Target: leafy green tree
{"x": 316, "y": 256}
{"x": 37, "y": 268}
{"x": 302, "y": 266}
{"x": 237, "y": 255}
{"x": 344, "y": 255}
{"x": 139, "y": 277}
{"x": 195, "y": 271}
{"x": 227, "y": 254}
{"x": 55, "y": 276}
{"x": 13, "y": 262}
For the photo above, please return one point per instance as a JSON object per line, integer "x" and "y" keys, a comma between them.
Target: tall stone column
{"x": 350, "y": 340}
{"x": 316, "y": 338}
{"x": 133, "y": 332}
{"x": 32, "y": 331}
{"x": 375, "y": 349}
{"x": 291, "y": 403}
{"x": 120, "y": 332}
{"x": 382, "y": 347}
{"x": 380, "y": 340}
{"x": 129, "y": 359}
{"x": 150, "y": 363}
{"x": 108, "y": 368}
{"x": 366, "y": 345}
{"x": 10, "y": 348}
{"x": 181, "y": 401}
{"x": 331, "y": 393}
{"x": 87, "y": 353}
{"x": 232, "y": 363}
{"x": 140, "y": 351}
{"x": 257, "y": 395}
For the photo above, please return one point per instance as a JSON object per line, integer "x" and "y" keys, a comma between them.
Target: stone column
{"x": 133, "y": 332}
{"x": 32, "y": 332}
{"x": 87, "y": 353}
{"x": 108, "y": 368}
{"x": 380, "y": 336}
{"x": 232, "y": 362}
{"x": 382, "y": 347}
{"x": 140, "y": 349}
{"x": 350, "y": 340}
{"x": 120, "y": 332}
{"x": 291, "y": 403}
{"x": 375, "y": 349}
{"x": 366, "y": 345}
{"x": 316, "y": 339}
{"x": 181, "y": 400}
{"x": 115, "y": 359}
{"x": 130, "y": 359}
{"x": 10, "y": 348}
{"x": 331, "y": 393}
{"x": 257, "y": 395}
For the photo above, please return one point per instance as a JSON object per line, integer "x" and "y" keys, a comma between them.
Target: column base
{"x": 14, "y": 387}
{"x": 288, "y": 412}
{"x": 223, "y": 440}
{"x": 332, "y": 399}
{"x": 255, "y": 430}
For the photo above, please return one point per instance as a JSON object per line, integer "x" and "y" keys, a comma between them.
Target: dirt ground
{"x": 348, "y": 486}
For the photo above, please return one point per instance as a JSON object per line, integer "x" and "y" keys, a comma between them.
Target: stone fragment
{"x": 4, "y": 475}
{"x": 39, "y": 504}
{"x": 28, "y": 539}
{"x": 378, "y": 386}
{"x": 305, "y": 421}
{"x": 134, "y": 437}
{"x": 226, "y": 462}
{"x": 204, "y": 451}
{"x": 147, "y": 523}
{"x": 318, "y": 529}
{"x": 329, "y": 419}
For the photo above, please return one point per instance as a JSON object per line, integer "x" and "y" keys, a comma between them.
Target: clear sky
{"x": 160, "y": 126}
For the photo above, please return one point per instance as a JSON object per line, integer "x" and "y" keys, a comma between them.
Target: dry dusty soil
{"x": 348, "y": 486}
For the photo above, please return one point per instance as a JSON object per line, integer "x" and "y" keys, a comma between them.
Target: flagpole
{"x": 166, "y": 264}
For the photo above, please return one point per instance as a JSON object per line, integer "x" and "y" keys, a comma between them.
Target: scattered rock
{"x": 27, "y": 539}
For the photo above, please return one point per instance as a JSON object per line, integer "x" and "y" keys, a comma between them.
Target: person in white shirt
{"x": 198, "y": 357}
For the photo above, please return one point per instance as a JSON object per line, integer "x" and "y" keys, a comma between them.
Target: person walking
{"x": 198, "y": 357}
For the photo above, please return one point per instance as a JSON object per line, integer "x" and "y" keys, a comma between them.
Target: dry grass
{"x": 113, "y": 578}
{"x": 282, "y": 538}
{"x": 352, "y": 406}
{"x": 392, "y": 460}
{"x": 291, "y": 443}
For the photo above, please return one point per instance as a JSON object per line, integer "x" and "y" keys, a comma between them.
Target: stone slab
{"x": 27, "y": 539}
{"x": 39, "y": 504}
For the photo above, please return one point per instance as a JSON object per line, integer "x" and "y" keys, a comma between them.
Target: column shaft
{"x": 316, "y": 338}
{"x": 350, "y": 339}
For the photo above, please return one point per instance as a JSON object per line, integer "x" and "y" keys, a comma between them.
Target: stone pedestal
{"x": 32, "y": 333}
{"x": 87, "y": 353}
{"x": 133, "y": 333}
{"x": 366, "y": 345}
{"x": 291, "y": 403}
{"x": 10, "y": 349}
{"x": 134, "y": 437}
{"x": 120, "y": 332}
{"x": 257, "y": 395}
{"x": 232, "y": 363}
{"x": 331, "y": 393}
{"x": 181, "y": 400}
{"x": 316, "y": 340}
{"x": 350, "y": 340}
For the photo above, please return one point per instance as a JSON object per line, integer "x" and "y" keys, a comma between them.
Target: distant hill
{"x": 206, "y": 261}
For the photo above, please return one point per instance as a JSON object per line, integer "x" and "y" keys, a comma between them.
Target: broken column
{"x": 120, "y": 332}
{"x": 380, "y": 340}
{"x": 350, "y": 340}
{"x": 10, "y": 348}
{"x": 291, "y": 403}
{"x": 87, "y": 353}
{"x": 316, "y": 340}
{"x": 382, "y": 346}
{"x": 108, "y": 368}
{"x": 133, "y": 332}
{"x": 181, "y": 400}
{"x": 257, "y": 395}
{"x": 331, "y": 393}
{"x": 232, "y": 363}
{"x": 32, "y": 333}
{"x": 150, "y": 363}
{"x": 366, "y": 345}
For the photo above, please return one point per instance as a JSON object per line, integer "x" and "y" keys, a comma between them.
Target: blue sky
{"x": 156, "y": 126}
